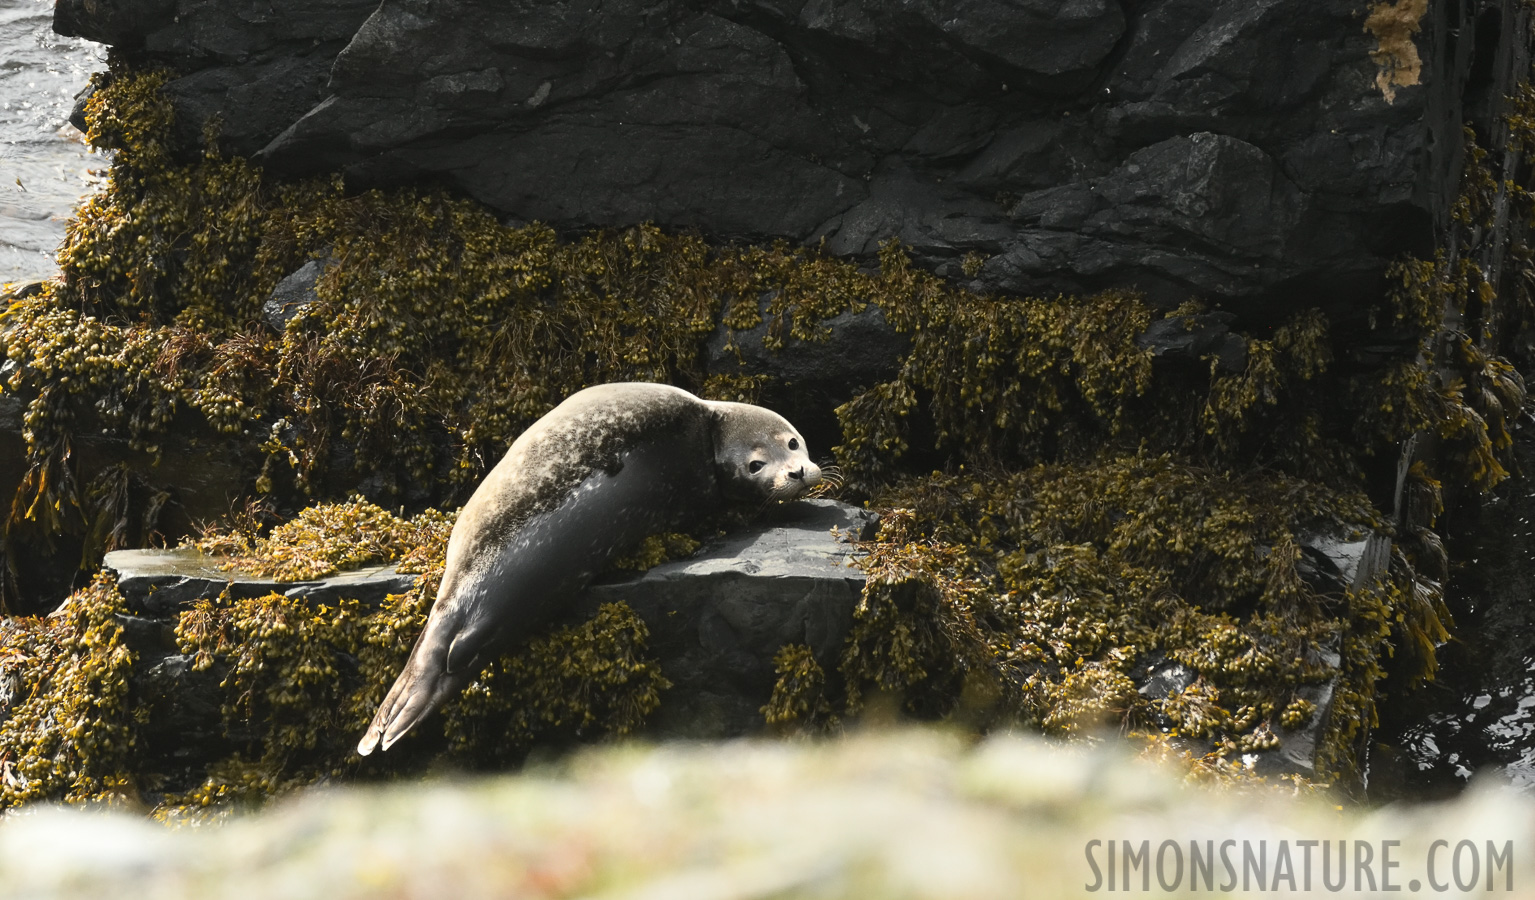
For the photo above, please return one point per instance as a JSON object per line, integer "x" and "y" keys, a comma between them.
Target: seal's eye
{"x": 756, "y": 466}
{"x": 793, "y": 444}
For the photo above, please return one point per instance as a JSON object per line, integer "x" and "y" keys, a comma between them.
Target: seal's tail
{"x": 421, "y": 688}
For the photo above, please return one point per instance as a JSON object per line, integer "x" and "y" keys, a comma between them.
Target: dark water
{"x": 45, "y": 167}
{"x": 1478, "y": 716}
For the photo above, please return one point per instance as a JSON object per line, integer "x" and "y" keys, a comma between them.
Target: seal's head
{"x": 758, "y": 455}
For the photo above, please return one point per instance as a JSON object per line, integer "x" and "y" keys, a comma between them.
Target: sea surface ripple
{"x": 45, "y": 166}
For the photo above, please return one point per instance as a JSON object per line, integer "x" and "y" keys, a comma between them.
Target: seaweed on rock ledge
{"x": 1094, "y": 510}
{"x": 262, "y": 695}
{"x": 431, "y": 336}
{"x": 1040, "y": 598}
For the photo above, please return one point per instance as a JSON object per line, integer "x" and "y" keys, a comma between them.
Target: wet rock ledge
{"x": 716, "y": 619}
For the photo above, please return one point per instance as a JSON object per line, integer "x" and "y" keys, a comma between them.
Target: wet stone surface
{"x": 1477, "y": 717}
{"x": 164, "y": 582}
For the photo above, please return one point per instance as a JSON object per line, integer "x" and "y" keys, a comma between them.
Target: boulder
{"x": 292, "y": 295}
{"x": 1240, "y": 152}
{"x": 718, "y": 618}
{"x": 254, "y": 65}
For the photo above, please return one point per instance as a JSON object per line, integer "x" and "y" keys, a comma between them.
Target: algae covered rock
{"x": 1082, "y": 492}
{"x": 248, "y": 668}
{"x": 715, "y": 619}
{"x": 742, "y": 634}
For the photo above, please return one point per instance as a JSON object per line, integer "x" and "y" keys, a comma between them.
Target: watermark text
{"x": 1297, "y": 865}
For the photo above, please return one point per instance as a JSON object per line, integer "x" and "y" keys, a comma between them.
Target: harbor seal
{"x": 603, "y": 470}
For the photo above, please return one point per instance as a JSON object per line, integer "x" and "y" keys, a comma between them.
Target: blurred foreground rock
{"x": 911, "y": 814}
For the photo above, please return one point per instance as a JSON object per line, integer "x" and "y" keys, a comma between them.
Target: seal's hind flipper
{"x": 421, "y": 688}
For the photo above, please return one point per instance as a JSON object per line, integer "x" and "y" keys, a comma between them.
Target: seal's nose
{"x": 799, "y": 474}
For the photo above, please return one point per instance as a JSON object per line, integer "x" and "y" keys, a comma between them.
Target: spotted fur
{"x": 587, "y": 482}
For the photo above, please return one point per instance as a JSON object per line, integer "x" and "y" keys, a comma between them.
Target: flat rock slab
{"x": 164, "y": 582}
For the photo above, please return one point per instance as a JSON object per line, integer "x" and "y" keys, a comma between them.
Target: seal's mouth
{"x": 828, "y": 483}
{"x": 809, "y": 481}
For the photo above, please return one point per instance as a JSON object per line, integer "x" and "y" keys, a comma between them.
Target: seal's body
{"x": 590, "y": 480}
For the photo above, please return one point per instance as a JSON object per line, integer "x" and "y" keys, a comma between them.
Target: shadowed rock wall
{"x": 1263, "y": 151}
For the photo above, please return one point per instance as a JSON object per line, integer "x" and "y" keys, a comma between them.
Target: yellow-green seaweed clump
{"x": 1040, "y": 598}
{"x": 800, "y": 692}
{"x": 67, "y": 724}
{"x": 576, "y": 682}
{"x": 329, "y": 537}
{"x": 657, "y": 549}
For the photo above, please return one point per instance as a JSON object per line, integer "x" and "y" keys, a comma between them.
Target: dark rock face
{"x": 1190, "y": 339}
{"x": 809, "y": 380}
{"x": 255, "y": 65}
{"x": 1235, "y": 150}
{"x": 292, "y": 295}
